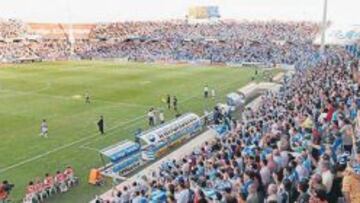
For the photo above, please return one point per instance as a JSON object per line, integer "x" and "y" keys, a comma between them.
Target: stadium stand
{"x": 295, "y": 146}
{"x": 224, "y": 42}
{"x": 221, "y": 42}
{"x": 11, "y": 28}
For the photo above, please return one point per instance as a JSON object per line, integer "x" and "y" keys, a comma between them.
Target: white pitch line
{"x": 89, "y": 148}
{"x": 69, "y": 145}
{"x": 181, "y": 101}
{"x": 112, "y": 128}
{"x": 44, "y": 154}
{"x": 75, "y": 142}
{"x": 85, "y": 145}
{"x": 63, "y": 147}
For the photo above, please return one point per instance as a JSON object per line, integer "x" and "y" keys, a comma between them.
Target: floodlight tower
{"x": 323, "y": 26}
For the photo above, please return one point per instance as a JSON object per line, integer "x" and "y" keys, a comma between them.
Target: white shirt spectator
{"x": 183, "y": 196}
{"x": 327, "y": 180}
{"x": 265, "y": 175}
{"x": 161, "y": 117}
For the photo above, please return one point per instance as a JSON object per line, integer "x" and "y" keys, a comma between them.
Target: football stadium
{"x": 188, "y": 102}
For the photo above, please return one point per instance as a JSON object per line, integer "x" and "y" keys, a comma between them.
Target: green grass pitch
{"x": 122, "y": 92}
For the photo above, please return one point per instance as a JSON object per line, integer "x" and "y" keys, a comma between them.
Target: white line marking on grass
{"x": 64, "y": 146}
{"x": 83, "y": 139}
{"x": 131, "y": 122}
{"x": 89, "y": 148}
{"x": 76, "y": 96}
{"x": 43, "y": 155}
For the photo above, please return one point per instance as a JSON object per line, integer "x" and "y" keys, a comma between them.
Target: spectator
{"x": 351, "y": 182}
{"x": 302, "y": 188}
{"x": 183, "y": 195}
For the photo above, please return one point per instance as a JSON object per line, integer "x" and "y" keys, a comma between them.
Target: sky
{"x": 88, "y": 11}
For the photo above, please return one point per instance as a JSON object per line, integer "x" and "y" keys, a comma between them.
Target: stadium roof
{"x": 117, "y": 10}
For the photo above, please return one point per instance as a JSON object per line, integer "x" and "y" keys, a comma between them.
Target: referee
{"x": 175, "y": 101}
{"x": 168, "y": 101}
{"x": 100, "y": 125}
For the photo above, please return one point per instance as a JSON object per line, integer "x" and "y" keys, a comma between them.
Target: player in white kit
{"x": 213, "y": 93}
{"x": 161, "y": 117}
{"x": 87, "y": 98}
{"x": 44, "y": 129}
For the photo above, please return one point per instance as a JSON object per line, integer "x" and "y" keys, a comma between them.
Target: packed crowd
{"x": 15, "y": 51}
{"x": 38, "y": 190}
{"x": 266, "y": 42}
{"x": 223, "y": 42}
{"x": 11, "y": 29}
{"x": 299, "y": 145}
{"x": 52, "y": 49}
{"x": 12, "y": 43}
